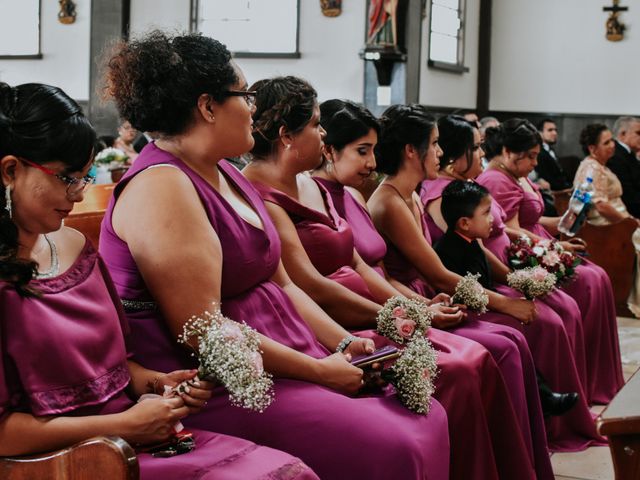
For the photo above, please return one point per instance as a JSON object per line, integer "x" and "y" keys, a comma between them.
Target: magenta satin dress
{"x": 470, "y": 387}
{"x": 338, "y": 436}
{"x": 84, "y": 372}
{"x": 591, "y": 290}
{"x": 554, "y": 338}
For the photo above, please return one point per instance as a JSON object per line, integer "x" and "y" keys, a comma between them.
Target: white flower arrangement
{"x": 469, "y": 292}
{"x": 111, "y": 157}
{"x": 229, "y": 352}
{"x": 413, "y": 374}
{"x": 533, "y": 282}
{"x": 400, "y": 319}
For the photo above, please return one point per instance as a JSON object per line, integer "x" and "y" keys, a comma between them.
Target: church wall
{"x": 65, "y": 53}
{"x": 552, "y": 56}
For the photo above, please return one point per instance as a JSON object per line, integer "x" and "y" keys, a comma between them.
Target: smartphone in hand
{"x": 381, "y": 355}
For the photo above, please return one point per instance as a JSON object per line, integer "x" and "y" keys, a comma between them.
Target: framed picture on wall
{"x": 20, "y": 29}
{"x": 250, "y": 28}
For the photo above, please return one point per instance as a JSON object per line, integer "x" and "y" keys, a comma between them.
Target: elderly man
{"x": 625, "y": 163}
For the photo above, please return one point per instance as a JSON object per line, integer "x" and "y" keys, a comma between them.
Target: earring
{"x": 287, "y": 146}
{"x": 211, "y": 117}
{"x": 7, "y": 200}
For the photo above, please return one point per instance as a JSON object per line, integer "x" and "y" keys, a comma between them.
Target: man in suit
{"x": 625, "y": 163}
{"x": 548, "y": 168}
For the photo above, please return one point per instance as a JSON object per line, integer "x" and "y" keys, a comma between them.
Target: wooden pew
{"x": 87, "y": 215}
{"x": 620, "y": 422}
{"x": 101, "y": 457}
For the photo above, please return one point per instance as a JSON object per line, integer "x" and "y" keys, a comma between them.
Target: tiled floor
{"x": 595, "y": 462}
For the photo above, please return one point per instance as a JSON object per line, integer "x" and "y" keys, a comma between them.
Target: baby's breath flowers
{"x": 229, "y": 352}
{"x": 469, "y": 292}
{"x": 533, "y": 282}
{"x": 413, "y": 374}
{"x": 401, "y": 319}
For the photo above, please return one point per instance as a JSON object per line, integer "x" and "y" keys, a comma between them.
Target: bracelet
{"x": 152, "y": 386}
{"x": 345, "y": 342}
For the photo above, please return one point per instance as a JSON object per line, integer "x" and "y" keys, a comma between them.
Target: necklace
{"x": 55, "y": 265}
{"x": 503, "y": 167}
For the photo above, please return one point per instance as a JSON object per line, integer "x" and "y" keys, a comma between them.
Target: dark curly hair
{"x": 42, "y": 124}
{"x": 456, "y": 140}
{"x": 517, "y": 134}
{"x": 590, "y": 135}
{"x": 402, "y": 125}
{"x": 156, "y": 81}
{"x": 281, "y": 102}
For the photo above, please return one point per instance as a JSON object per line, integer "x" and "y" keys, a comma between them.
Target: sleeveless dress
{"x": 591, "y": 290}
{"x": 334, "y": 434}
{"x": 84, "y": 372}
{"x": 455, "y": 353}
{"x": 554, "y": 338}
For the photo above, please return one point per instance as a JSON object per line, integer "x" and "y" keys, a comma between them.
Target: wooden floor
{"x": 595, "y": 462}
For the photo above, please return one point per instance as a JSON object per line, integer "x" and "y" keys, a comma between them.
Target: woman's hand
{"x": 195, "y": 394}
{"x": 442, "y": 298}
{"x": 361, "y": 346}
{"x": 151, "y": 420}
{"x": 522, "y": 309}
{"x": 575, "y": 245}
{"x": 337, "y": 373}
{"x": 446, "y": 316}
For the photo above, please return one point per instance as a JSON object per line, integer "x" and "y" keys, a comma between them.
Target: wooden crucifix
{"x": 615, "y": 28}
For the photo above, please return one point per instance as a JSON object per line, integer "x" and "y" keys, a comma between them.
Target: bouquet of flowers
{"x": 413, "y": 374}
{"x": 401, "y": 319}
{"x": 229, "y": 352}
{"x": 469, "y": 292}
{"x": 548, "y": 254}
{"x": 533, "y": 282}
{"x": 111, "y": 157}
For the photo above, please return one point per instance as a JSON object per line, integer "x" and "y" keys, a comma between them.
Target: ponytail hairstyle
{"x": 280, "y": 102}
{"x": 402, "y": 125}
{"x": 456, "y": 140}
{"x": 42, "y": 124}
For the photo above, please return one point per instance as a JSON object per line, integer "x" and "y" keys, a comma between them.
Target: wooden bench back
{"x": 87, "y": 215}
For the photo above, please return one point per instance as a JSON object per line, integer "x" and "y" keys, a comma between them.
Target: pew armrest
{"x": 99, "y": 457}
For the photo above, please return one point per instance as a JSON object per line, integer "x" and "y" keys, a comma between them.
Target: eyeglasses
{"x": 249, "y": 95}
{"x": 74, "y": 185}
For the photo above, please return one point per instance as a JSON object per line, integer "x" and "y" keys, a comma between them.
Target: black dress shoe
{"x": 554, "y": 404}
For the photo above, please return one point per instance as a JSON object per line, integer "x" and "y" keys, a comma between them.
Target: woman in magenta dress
{"x": 222, "y": 247}
{"x": 319, "y": 254}
{"x": 54, "y": 285}
{"x": 551, "y": 345}
{"x": 516, "y": 145}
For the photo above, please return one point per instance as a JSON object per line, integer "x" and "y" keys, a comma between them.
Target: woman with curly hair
{"x": 186, "y": 229}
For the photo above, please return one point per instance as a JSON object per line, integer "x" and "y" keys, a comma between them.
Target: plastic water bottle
{"x": 579, "y": 206}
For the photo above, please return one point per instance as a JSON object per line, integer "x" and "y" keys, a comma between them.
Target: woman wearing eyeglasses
{"x": 186, "y": 229}
{"x": 64, "y": 372}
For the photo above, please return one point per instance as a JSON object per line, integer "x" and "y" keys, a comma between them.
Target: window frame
{"x": 30, "y": 56}
{"x": 459, "y": 66}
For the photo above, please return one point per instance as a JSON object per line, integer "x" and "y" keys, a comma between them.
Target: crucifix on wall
{"x": 615, "y": 28}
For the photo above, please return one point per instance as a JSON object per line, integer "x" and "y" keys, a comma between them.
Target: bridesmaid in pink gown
{"x": 319, "y": 246}
{"x": 550, "y": 344}
{"x": 517, "y": 144}
{"x": 53, "y": 285}
{"x": 185, "y": 229}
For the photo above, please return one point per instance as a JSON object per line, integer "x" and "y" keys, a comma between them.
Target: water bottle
{"x": 579, "y": 206}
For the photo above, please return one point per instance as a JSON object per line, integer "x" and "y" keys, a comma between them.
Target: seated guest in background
{"x": 487, "y": 122}
{"x": 222, "y": 247}
{"x": 124, "y": 140}
{"x": 548, "y": 167}
{"x": 318, "y": 252}
{"x": 54, "y": 285}
{"x": 598, "y": 144}
{"x": 516, "y": 145}
{"x": 624, "y": 162}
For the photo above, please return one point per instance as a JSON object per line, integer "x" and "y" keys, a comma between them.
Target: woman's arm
{"x": 550, "y": 224}
{"x": 499, "y": 270}
{"x": 610, "y": 212}
{"x": 378, "y": 286}
{"x": 344, "y": 306}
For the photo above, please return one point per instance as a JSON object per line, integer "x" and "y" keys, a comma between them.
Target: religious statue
{"x": 615, "y": 28}
{"x": 382, "y": 29}
{"x": 331, "y": 8}
{"x": 67, "y": 13}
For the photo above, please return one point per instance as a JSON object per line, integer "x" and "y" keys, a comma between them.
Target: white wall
{"x": 447, "y": 89}
{"x": 65, "y": 52}
{"x": 328, "y": 46}
{"x": 552, "y": 56}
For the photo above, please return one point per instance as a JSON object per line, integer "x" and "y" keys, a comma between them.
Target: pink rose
{"x": 399, "y": 312}
{"x": 231, "y": 331}
{"x": 404, "y": 326}
{"x": 539, "y": 274}
{"x": 551, "y": 258}
{"x": 256, "y": 361}
{"x": 426, "y": 374}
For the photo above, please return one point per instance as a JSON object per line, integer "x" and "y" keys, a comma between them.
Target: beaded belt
{"x": 137, "y": 306}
